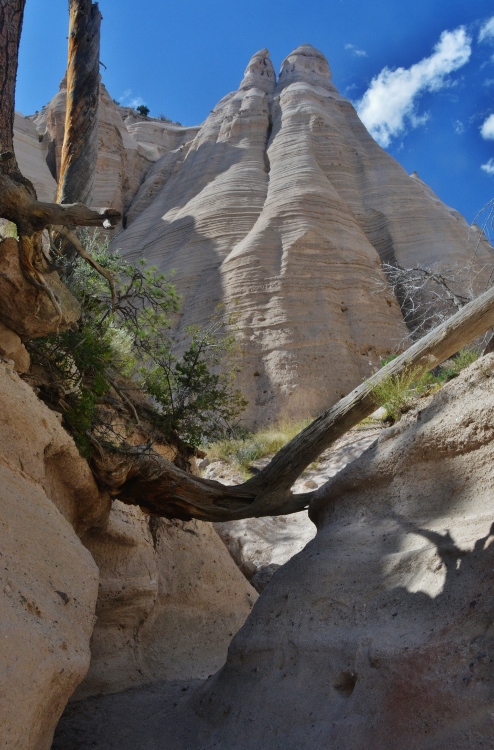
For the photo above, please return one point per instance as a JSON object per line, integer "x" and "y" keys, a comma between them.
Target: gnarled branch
{"x": 158, "y": 486}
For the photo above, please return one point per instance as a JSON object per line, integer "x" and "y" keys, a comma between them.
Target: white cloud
{"x": 487, "y": 30}
{"x": 489, "y": 167}
{"x": 487, "y": 129}
{"x": 128, "y": 100}
{"x": 459, "y": 127}
{"x": 355, "y": 50}
{"x": 388, "y": 106}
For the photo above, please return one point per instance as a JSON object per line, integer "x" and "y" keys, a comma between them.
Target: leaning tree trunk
{"x": 18, "y": 200}
{"x": 160, "y": 487}
{"x": 80, "y": 143}
{"x": 11, "y": 18}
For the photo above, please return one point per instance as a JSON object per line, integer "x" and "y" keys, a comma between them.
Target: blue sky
{"x": 421, "y": 73}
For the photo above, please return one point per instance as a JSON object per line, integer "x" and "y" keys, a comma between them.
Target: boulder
{"x": 12, "y": 348}
{"x": 25, "y": 309}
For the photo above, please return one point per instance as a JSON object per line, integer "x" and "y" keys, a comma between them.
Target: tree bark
{"x": 11, "y": 18}
{"x": 18, "y": 200}
{"x": 156, "y": 485}
{"x": 80, "y": 143}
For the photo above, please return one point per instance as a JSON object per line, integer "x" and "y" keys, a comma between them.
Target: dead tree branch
{"x": 153, "y": 483}
{"x": 18, "y": 200}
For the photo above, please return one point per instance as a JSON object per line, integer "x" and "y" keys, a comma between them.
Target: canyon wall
{"x": 282, "y": 211}
{"x": 380, "y": 633}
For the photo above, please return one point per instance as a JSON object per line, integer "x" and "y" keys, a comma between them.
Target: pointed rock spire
{"x": 305, "y": 64}
{"x": 259, "y": 73}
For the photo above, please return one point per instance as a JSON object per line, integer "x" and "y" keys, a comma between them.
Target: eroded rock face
{"x": 380, "y": 633}
{"x": 48, "y": 580}
{"x": 126, "y": 149}
{"x": 260, "y": 546}
{"x": 32, "y": 157}
{"x": 282, "y": 210}
{"x": 26, "y": 310}
{"x": 170, "y": 601}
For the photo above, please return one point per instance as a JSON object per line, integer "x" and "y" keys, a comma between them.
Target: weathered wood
{"x": 11, "y": 18}
{"x": 80, "y": 143}
{"x": 18, "y": 200}
{"x": 18, "y": 205}
{"x": 155, "y": 484}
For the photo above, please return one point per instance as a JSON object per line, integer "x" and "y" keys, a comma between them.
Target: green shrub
{"x": 194, "y": 397}
{"x": 143, "y": 110}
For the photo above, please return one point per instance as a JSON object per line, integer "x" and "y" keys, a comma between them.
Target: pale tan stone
{"x": 379, "y": 634}
{"x": 170, "y": 600}
{"x": 25, "y": 309}
{"x": 11, "y": 347}
{"x": 48, "y": 580}
{"x": 283, "y": 210}
{"x": 31, "y": 155}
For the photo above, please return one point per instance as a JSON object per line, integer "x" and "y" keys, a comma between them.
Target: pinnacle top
{"x": 260, "y": 73}
{"x": 307, "y": 64}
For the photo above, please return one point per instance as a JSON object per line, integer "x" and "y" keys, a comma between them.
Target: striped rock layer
{"x": 282, "y": 210}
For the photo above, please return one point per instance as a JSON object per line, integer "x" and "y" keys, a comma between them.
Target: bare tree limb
{"x": 65, "y": 233}
{"x": 18, "y": 200}
{"x": 158, "y": 486}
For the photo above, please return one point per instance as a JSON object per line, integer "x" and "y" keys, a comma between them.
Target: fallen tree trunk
{"x": 158, "y": 486}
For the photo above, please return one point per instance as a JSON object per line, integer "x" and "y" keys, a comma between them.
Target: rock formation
{"x": 282, "y": 210}
{"x": 32, "y": 157}
{"x": 128, "y": 146}
{"x": 49, "y": 581}
{"x": 260, "y": 546}
{"x": 170, "y": 597}
{"x": 379, "y": 634}
{"x": 170, "y": 600}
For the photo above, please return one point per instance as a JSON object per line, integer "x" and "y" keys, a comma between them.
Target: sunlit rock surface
{"x": 48, "y": 580}
{"x": 282, "y": 210}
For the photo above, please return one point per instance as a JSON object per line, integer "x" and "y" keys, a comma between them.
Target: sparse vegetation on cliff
{"x": 398, "y": 392}
{"x": 129, "y": 337}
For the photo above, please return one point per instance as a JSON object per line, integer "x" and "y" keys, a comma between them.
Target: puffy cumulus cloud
{"x": 388, "y": 107}
{"x": 355, "y": 51}
{"x": 487, "y": 30}
{"x": 487, "y": 129}
{"x": 488, "y": 167}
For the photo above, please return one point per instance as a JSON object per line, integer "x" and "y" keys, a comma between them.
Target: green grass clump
{"x": 244, "y": 451}
{"x": 398, "y": 392}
